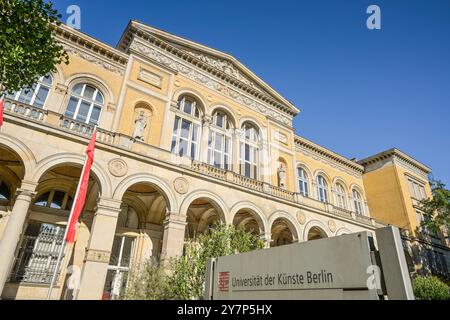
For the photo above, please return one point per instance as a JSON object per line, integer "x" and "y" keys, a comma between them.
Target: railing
{"x": 25, "y": 110}
{"x": 342, "y": 212}
{"x": 86, "y": 129}
{"x": 247, "y": 182}
{"x": 360, "y": 217}
{"x": 126, "y": 142}
{"x": 209, "y": 170}
{"x": 282, "y": 193}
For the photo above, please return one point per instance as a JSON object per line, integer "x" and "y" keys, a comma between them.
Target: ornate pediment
{"x": 227, "y": 67}
{"x": 224, "y": 71}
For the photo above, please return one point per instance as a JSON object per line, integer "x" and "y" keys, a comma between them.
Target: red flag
{"x": 82, "y": 190}
{"x": 2, "y": 107}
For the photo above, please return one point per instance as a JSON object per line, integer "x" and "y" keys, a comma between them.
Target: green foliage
{"x": 149, "y": 282}
{"x": 28, "y": 49}
{"x": 430, "y": 288}
{"x": 186, "y": 276}
{"x": 437, "y": 209}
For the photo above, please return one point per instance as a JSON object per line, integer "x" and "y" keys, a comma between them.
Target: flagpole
{"x": 63, "y": 246}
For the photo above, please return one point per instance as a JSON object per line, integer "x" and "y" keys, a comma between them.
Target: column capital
{"x": 108, "y": 207}
{"x": 27, "y": 186}
{"x": 25, "y": 193}
{"x": 207, "y": 121}
{"x": 174, "y": 218}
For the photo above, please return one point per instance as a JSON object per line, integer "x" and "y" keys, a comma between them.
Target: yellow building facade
{"x": 187, "y": 137}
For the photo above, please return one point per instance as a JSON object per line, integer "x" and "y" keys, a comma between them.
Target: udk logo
{"x": 224, "y": 281}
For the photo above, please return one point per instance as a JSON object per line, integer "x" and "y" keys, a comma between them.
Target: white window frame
{"x": 254, "y": 150}
{"x": 225, "y": 132}
{"x": 118, "y": 269}
{"x": 302, "y": 179}
{"x": 322, "y": 189}
{"x": 92, "y": 103}
{"x": 341, "y": 196}
{"x": 416, "y": 189}
{"x": 39, "y": 84}
{"x": 358, "y": 202}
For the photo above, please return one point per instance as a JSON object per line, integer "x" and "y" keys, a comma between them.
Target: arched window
{"x": 85, "y": 104}
{"x": 340, "y": 196}
{"x": 55, "y": 199}
{"x": 35, "y": 96}
{"x": 219, "y": 142}
{"x": 322, "y": 189}
{"x": 249, "y": 151}
{"x": 302, "y": 178}
{"x": 358, "y": 202}
{"x": 5, "y": 193}
{"x": 186, "y": 129}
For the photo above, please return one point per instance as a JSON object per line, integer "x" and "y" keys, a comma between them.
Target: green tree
{"x": 436, "y": 210}
{"x": 28, "y": 48}
{"x": 185, "y": 277}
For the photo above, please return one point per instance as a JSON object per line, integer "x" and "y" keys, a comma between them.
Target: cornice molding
{"x": 400, "y": 158}
{"x": 328, "y": 157}
{"x": 90, "y": 49}
{"x": 188, "y": 69}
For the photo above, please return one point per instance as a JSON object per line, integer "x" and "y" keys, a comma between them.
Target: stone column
{"x": 204, "y": 138}
{"x": 235, "y": 150}
{"x": 173, "y": 238}
{"x": 99, "y": 248}
{"x": 169, "y": 120}
{"x": 14, "y": 229}
{"x": 265, "y": 165}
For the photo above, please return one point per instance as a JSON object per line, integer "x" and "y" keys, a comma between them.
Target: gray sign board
{"x": 334, "y": 268}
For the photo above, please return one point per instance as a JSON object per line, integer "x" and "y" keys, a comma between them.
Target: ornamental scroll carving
{"x": 207, "y": 81}
{"x": 93, "y": 59}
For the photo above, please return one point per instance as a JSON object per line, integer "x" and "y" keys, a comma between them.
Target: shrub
{"x": 183, "y": 278}
{"x": 148, "y": 282}
{"x": 430, "y": 288}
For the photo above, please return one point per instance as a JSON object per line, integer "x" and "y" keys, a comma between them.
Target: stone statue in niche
{"x": 282, "y": 176}
{"x": 140, "y": 124}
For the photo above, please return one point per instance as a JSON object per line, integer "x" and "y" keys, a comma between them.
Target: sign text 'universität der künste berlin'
{"x": 300, "y": 280}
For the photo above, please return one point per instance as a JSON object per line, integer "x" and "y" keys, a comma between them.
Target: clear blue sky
{"x": 360, "y": 91}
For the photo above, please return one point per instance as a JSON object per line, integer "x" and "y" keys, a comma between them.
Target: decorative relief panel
{"x": 118, "y": 167}
{"x": 301, "y": 217}
{"x": 208, "y": 82}
{"x": 181, "y": 185}
{"x": 280, "y": 137}
{"x": 332, "y": 226}
{"x": 97, "y": 256}
{"x": 225, "y": 66}
{"x": 150, "y": 78}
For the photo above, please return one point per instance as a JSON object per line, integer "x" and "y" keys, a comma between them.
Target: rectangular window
{"x": 119, "y": 267}
{"x": 416, "y": 189}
